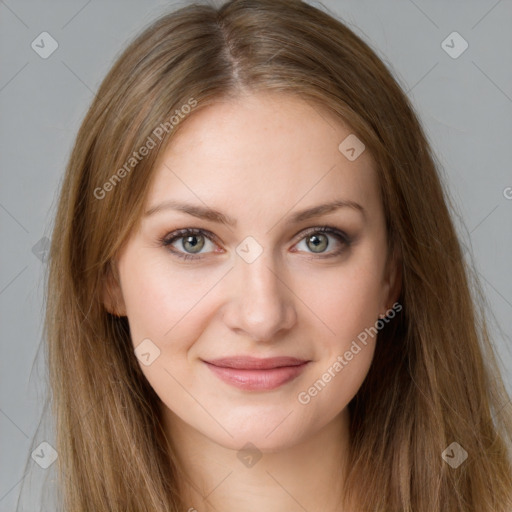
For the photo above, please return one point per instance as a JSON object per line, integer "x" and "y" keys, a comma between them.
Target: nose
{"x": 261, "y": 304}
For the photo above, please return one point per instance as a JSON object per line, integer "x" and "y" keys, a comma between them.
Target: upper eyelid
{"x": 181, "y": 233}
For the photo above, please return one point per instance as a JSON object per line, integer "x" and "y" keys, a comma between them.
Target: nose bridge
{"x": 262, "y": 304}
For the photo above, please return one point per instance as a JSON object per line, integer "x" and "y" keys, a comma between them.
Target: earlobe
{"x": 112, "y": 293}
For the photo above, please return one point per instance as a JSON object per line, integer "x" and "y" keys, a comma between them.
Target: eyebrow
{"x": 215, "y": 216}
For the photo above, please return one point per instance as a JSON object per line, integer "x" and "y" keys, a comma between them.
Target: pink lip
{"x": 255, "y": 374}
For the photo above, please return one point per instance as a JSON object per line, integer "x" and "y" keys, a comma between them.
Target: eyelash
{"x": 169, "y": 238}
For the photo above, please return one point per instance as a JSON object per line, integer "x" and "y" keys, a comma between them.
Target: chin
{"x": 268, "y": 432}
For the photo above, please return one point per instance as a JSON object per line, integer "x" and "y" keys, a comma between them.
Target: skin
{"x": 260, "y": 159}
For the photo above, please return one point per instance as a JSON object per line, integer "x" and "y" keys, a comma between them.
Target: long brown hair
{"x": 434, "y": 379}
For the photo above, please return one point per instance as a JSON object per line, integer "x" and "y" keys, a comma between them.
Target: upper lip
{"x": 254, "y": 363}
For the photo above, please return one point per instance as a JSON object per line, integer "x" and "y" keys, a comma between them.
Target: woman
{"x": 257, "y": 299}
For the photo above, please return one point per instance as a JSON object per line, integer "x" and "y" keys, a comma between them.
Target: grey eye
{"x": 192, "y": 243}
{"x": 317, "y": 242}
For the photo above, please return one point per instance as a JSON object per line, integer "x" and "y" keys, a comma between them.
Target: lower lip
{"x": 257, "y": 380}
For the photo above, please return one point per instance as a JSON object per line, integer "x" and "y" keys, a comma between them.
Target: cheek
{"x": 168, "y": 306}
{"x": 347, "y": 298}
{"x": 164, "y": 302}
{"x": 350, "y": 309}
{"x": 334, "y": 384}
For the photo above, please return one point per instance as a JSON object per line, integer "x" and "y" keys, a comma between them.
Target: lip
{"x": 254, "y": 374}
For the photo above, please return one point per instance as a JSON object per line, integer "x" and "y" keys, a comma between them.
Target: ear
{"x": 112, "y": 293}
{"x": 392, "y": 280}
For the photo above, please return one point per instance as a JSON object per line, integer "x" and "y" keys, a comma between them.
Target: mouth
{"x": 253, "y": 374}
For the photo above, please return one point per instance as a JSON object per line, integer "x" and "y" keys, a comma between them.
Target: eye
{"x": 191, "y": 240}
{"x": 188, "y": 243}
{"x": 317, "y": 241}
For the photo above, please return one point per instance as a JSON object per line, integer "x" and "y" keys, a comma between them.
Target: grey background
{"x": 465, "y": 105}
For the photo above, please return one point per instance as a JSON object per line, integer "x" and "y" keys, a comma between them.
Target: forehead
{"x": 262, "y": 152}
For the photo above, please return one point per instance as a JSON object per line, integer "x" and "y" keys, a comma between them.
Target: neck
{"x": 307, "y": 476}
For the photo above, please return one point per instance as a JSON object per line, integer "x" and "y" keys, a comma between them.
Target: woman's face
{"x": 260, "y": 280}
